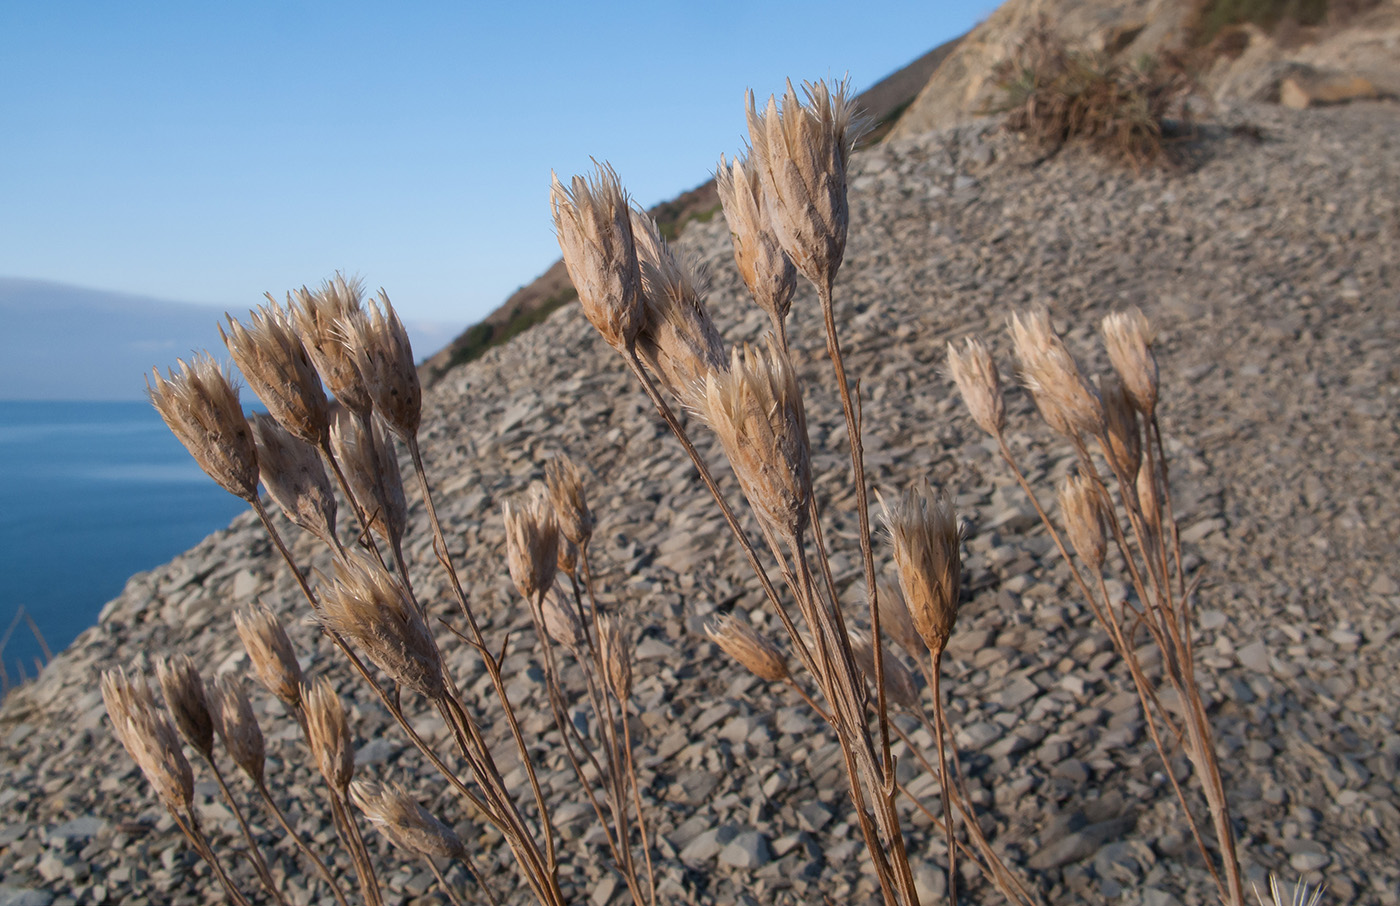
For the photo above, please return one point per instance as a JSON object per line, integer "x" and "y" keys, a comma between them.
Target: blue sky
{"x": 210, "y": 152}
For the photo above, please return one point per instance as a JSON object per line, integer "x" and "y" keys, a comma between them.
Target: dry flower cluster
{"x": 786, "y": 206}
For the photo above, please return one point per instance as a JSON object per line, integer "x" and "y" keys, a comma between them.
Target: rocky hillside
{"x": 1269, "y": 269}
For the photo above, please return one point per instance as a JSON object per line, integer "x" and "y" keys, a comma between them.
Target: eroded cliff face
{"x": 1358, "y": 58}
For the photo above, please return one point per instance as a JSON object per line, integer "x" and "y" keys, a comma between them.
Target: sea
{"x": 90, "y": 493}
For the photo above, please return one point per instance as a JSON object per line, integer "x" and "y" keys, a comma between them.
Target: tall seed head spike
{"x": 184, "y": 698}
{"x": 532, "y": 543}
{"x": 756, "y": 410}
{"x": 1084, "y": 511}
{"x": 277, "y": 367}
{"x": 271, "y": 653}
{"x": 927, "y": 555}
{"x": 1128, "y": 338}
{"x": 1067, "y": 402}
{"x": 317, "y": 316}
{"x": 200, "y": 406}
{"x": 329, "y": 734}
{"x": 369, "y": 606}
{"x": 294, "y": 476}
{"x": 767, "y": 271}
{"x": 149, "y": 739}
{"x": 371, "y": 467}
{"x": 755, "y": 652}
{"x": 615, "y": 646}
{"x": 378, "y": 342}
{"x": 593, "y": 222}
{"x": 575, "y": 519}
{"x": 1120, "y": 426}
{"x": 561, "y": 622}
{"x": 900, "y": 686}
{"x": 238, "y": 727}
{"x": 677, "y": 340}
{"x": 975, "y": 373}
{"x": 802, "y": 151}
{"x": 406, "y": 823}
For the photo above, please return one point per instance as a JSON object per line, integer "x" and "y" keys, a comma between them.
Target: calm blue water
{"x": 89, "y": 494}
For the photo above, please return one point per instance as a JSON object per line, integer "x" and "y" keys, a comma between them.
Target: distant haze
{"x": 61, "y": 342}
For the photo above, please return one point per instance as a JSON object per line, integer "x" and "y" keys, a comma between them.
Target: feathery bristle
{"x": 149, "y": 739}
{"x": 328, "y": 734}
{"x": 755, "y": 408}
{"x": 371, "y": 467}
{"x": 767, "y": 270}
{"x": 575, "y": 519}
{"x": 200, "y": 406}
{"x": 294, "y": 476}
{"x": 900, "y": 686}
{"x": 615, "y": 647}
{"x": 677, "y": 339}
{"x": 277, "y": 367}
{"x": 927, "y": 555}
{"x": 184, "y": 698}
{"x": 1066, "y": 401}
{"x": 1128, "y": 338}
{"x": 238, "y": 728}
{"x": 406, "y": 823}
{"x": 317, "y": 316}
{"x": 370, "y": 607}
{"x": 975, "y": 373}
{"x": 1083, "y": 509}
{"x": 532, "y": 542}
{"x": 897, "y": 624}
{"x": 802, "y": 152}
{"x": 271, "y": 653}
{"x": 755, "y": 652}
{"x": 378, "y": 342}
{"x": 593, "y": 223}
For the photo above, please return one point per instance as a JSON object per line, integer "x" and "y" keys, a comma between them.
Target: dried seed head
{"x": 897, "y": 624}
{"x": 615, "y": 647}
{"x": 561, "y": 621}
{"x": 576, "y": 522}
{"x": 1120, "y": 426}
{"x": 1128, "y": 338}
{"x": 292, "y": 472}
{"x": 200, "y": 406}
{"x": 149, "y": 739}
{"x": 371, "y": 467}
{"x": 1148, "y": 500}
{"x": 184, "y": 698}
{"x": 329, "y": 734}
{"x": 677, "y": 340}
{"x": 900, "y": 685}
{"x": 274, "y": 660}
{"x": 406, "y": 823}
{"x": 273, "y": 359}
{"x": 532, "y": 542}
{"x": 975, "y": 373}
{"x": 801, "y": 152}
{"x": 593, "y": 222}
{"x": 369, "y": 606}
{"x": 756, "y": 653}
{"x": 238, "y": 728}
{"x": 924, "y": 533}
{"x": 317, "y": 316}
{"x": 765, "y": 267}
{"x": 568, "y": 557}
{"x": 1083, "y": 509}
{"x": 755, "y": 408}
{"x": 1067, "y": 402}
{"x": 377, "y": 340}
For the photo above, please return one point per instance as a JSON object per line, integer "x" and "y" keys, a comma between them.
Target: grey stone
{"x": 749, "y": 849}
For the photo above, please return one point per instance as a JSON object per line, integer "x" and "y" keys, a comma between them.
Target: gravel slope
{"x": 1269, "y": 269}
